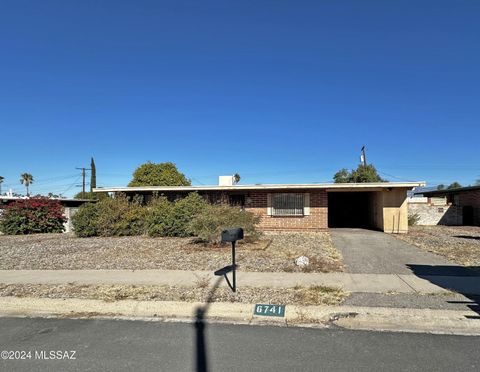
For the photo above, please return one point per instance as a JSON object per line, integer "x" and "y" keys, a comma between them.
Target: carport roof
{"x": 329, "y": 186}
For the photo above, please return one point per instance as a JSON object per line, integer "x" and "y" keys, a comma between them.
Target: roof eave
{"x": 382, "y": 185}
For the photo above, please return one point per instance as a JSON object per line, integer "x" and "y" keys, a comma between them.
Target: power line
{"x": 72, "y": 185}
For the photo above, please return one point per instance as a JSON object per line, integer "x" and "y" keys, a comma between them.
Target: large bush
{"x": 173, "y": 219}
{"x": 120, "y": 217}
{"x": 84, "y": 221}
{"x": 212, "y": 220}
{"x": 30, "y": 216}
{"x": 190, "y": 216}
{"x": 111, "y": 217}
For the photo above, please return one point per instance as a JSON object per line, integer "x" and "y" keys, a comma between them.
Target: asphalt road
{"x": 118, "y": 345}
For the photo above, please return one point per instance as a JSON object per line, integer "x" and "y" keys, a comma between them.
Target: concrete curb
{"x": 365, "y": 318}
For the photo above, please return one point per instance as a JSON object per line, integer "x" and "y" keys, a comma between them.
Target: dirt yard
{"x": 460, "y": 244}
{"x": 274, "y": 252}
{"x": 315, "y": 295}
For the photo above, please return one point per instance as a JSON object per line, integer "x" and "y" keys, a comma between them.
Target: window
{"x": 291, "y": 204}
{"x": 237, "y": 201}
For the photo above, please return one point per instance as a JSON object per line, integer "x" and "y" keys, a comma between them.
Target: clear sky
{"x": 278, "y": 91}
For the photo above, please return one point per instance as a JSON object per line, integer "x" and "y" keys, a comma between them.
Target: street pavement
{"x": 118, "y": 345}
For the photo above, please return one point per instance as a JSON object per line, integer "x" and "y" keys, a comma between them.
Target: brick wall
{"x": 431, "y": 214}
{"x": 471, "y": 198}
{"x": 257, "y": 202}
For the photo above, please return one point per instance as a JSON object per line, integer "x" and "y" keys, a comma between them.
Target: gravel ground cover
{"x": 460, "y": 244}
{"x": 275, "y": 252}
{"x": 315, "y": 295}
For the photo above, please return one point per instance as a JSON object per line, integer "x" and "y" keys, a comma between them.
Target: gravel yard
{"x": 315, "y": 295}
{"x": 460, "y": 244}
{"x": 274, "y": 252}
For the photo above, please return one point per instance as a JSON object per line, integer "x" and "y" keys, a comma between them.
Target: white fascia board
{"x": 359, "y": 186}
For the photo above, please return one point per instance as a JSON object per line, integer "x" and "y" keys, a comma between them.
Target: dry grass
{"x": 275, "y": 252}
{"x": 460, "y": 244}
{"x": 315, "y": 295}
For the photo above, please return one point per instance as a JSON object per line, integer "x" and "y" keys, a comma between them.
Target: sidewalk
{"x": 366, "y": 283}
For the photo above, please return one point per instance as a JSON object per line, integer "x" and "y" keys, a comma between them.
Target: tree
{"x": 454, "y": 185}
{"x": 1, "y": 181}
{"x": 26, "y": 179}
{"x": 441, "y": 187}
{"x": 93, "y": 175}
{"x": 363, "y": 174}
{"x": 158, "y": 174}
{"x": 342, "y": 176}
{"x": 477, "y": 182}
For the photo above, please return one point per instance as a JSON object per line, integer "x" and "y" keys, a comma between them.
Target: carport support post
{"x": 234, "y": 267}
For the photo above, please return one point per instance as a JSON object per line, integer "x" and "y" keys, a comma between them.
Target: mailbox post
{"x": 231, "y": 235}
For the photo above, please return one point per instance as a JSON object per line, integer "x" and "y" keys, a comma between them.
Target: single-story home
{"x": 70, "y": 206}
{"x": 464, "y": 205}
{"x": 303, "y": 207}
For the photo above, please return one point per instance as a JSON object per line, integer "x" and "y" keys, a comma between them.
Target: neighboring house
{"x": 462, "y": 205}
{"x": 434, "y": 211}
{"x": 303, "y": 207}
{"x": 70, "y": 207}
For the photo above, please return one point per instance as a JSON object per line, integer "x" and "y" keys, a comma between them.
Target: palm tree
{"x": 26, "y": 179}
{"x": 1, "y": 181}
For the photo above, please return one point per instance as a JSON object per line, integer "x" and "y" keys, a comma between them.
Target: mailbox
{"x": 232, "y": 235}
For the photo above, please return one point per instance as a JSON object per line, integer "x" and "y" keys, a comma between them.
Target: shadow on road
{"x": 452, "y": 278}
{"x": 201, "y": 357}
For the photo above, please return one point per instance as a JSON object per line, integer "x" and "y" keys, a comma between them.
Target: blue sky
{"x": 278, "y": 91}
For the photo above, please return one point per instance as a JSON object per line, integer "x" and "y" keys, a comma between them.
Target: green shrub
{"x": 120, "y": 217}
{"x": 111, "y": 217}
{"x": 213, "y": 219}
{"x": 33, "y": 215}
{"x": 160, "y": 213}
{"x": 173, "y": 219}
{"x": 413, "y": 219}
{"x": 84, "y": 221}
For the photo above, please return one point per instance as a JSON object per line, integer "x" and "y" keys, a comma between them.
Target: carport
{"x": 350, "y": 209}
{"x": 368, "y": 207}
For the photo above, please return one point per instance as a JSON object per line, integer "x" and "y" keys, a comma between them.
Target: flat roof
{"x": 448, "y": 191}
{"x": 4, "y": 197}
{"x": 339, "y": 186}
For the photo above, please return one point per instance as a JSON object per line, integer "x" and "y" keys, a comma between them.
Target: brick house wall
{"x": 434, "y": 213}
{"x": 471, "y": 198}
{"x": 317, "y": 220}
{"x": 461, "y": 199}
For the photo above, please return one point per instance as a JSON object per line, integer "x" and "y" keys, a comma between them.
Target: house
{"x": 303, "y": 207}
{"x": 461, "y": 205}
{"x": 70, "y": 206}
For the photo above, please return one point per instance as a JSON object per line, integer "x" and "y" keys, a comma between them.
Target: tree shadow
{"x": 467, "y": 237}
{"x": 201, "y": 357}
{"x": 458, "y": 279}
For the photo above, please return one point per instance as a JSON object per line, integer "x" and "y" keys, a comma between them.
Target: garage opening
{"x": 350, "y": 209}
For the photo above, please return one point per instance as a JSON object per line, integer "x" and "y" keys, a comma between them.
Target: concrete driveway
{"x": 374, "y": 252}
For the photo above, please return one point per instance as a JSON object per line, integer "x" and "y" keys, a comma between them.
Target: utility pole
{"x": 83, "y": 169}
{"x": 363, "y": 157}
